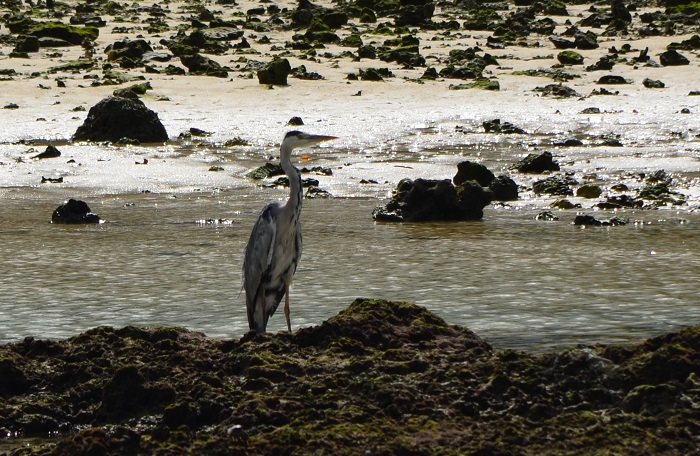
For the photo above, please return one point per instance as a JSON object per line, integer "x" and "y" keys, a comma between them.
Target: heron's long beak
{"x": 319, "y": 138}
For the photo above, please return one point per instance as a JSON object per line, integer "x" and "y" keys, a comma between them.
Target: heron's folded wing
{"x": 259, "y": 252}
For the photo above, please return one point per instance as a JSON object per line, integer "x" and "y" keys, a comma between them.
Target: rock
{"x": 652, "y": 399}
{"x": 295, "y": 121}
{"x": 618, "y": 202}
{"x": 468, "y": 170}
{"x": 50, "y": 152}
{"x": 201, "y": 65}
{"x": 275, "y": 73}
{"x": 74, "y": 212}
{"x": 653, "y": 83}
{"x": 570, "y": 58}
{"x": 74, "y": 35}
{"x": 535, "y": 163}
{"x": 546, "y": 216}
{"x": 159, "y": 390}
{"x": 27, "y": 43}
{"x": 495, "y": 126}
{"x": 426, "y": 200}
{"x": 504, "y": 189}
{"x": 605, "y": 63}
{"x": 562, "y": 43}
{"x": 564, "y": 204}
{"x": 557, "y": 91}
{"x": 589, "y": 191}
{"x": 554, "y": 185}
{"x": 673, "y": 58}
{"x": 132, "y": 49}
{"x": 13, "y": 379}
{"x": 620, "y": 12}
{"x": 265, "y": 171}
{"x": 589, "y": 220}
{"x": 116, "y": 118}
{"x": 612, "y": 79}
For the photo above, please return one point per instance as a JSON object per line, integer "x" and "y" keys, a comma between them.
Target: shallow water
{"x": 517, "y": 282}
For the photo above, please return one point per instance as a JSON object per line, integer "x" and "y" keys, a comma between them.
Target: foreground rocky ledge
{"x": 379, "y": 378}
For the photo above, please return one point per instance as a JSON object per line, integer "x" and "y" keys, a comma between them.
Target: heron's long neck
{"x": 295, "y": 191}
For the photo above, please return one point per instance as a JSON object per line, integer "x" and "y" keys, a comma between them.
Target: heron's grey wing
{"x": 259, "y": 251}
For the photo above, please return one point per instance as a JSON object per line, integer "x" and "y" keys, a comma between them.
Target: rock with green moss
{"x": 380, "y": 375}
{"x": 570, "y": 58}
{"x": 69, "y": 33}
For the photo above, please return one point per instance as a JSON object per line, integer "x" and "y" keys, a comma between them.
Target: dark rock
{"x": 415, "y": 15}
{"x": 554, "y": 185}
{"x": 653, "y": 84}
{"x": 13, "y": 379}
{"x": 27, "y": 43}
{"x": 265, "y": 171}
{"x": 201, "y": 65}
{"x": 426, "y": 200}
{"x": 586, "y": 41}
{"x": 618, "y": 202}
{"x": 275, "y": 72}
{"x": 562, "y": 43}
{"x": 546, "y": 216}
{"x": 295, "y": 121}
{"x": 115, "y": 118}
{"x": 673, "y": 58}
{"x": 535, "y": 163}
{"x": 50, "y": 152}
{"x": 589, "y": 220}
{"x": 74, "y": 212}
{"x": 132, "y": 49}
{"x": 589, "y": 191}
{"x": 620, "y": 12}
{"x": 468, "y": 170}
{"x": 557, "y": 91}
{"x": 564, "y": 204}
{"x": 504, "y": 189}
{"x": 612, "y": 79}
{"x": 495, "y": 126}
{"x": 605, "y": 63}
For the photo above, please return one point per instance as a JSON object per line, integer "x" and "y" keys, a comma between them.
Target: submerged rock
{"x": 426, "y": 200}
{"x": 74, "y": 212}
{"x": 117, "y": 118}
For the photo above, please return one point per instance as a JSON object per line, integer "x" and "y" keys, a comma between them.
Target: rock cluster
{"x": 380, "y": 377}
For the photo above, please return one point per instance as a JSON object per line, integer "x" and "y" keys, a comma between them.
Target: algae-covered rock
{"x": 379, "y": 374}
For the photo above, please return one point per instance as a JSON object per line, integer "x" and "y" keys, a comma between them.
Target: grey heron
{"x": 274, "y": 247}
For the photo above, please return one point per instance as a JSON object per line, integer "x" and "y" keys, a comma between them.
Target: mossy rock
{"x": 73, "y": 66}
{"x": 589, "y": 191}
{"x": 74, "y": 35}
{"x": 570, "y": 58}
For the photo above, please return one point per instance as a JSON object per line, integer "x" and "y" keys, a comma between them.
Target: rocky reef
{"x": 378, "y": 378}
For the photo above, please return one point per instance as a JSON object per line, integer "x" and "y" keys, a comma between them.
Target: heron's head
{"x": 295, "y": 139}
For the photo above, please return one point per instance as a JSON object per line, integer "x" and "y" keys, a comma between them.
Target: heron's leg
{"x": 263, "y": 301}
{"x": 286, "y": 307}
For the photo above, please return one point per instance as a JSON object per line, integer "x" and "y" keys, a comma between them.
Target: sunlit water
{"x": 515, "y": 281}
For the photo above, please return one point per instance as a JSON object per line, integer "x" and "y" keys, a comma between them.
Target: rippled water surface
{"x": 515, "y": 281}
